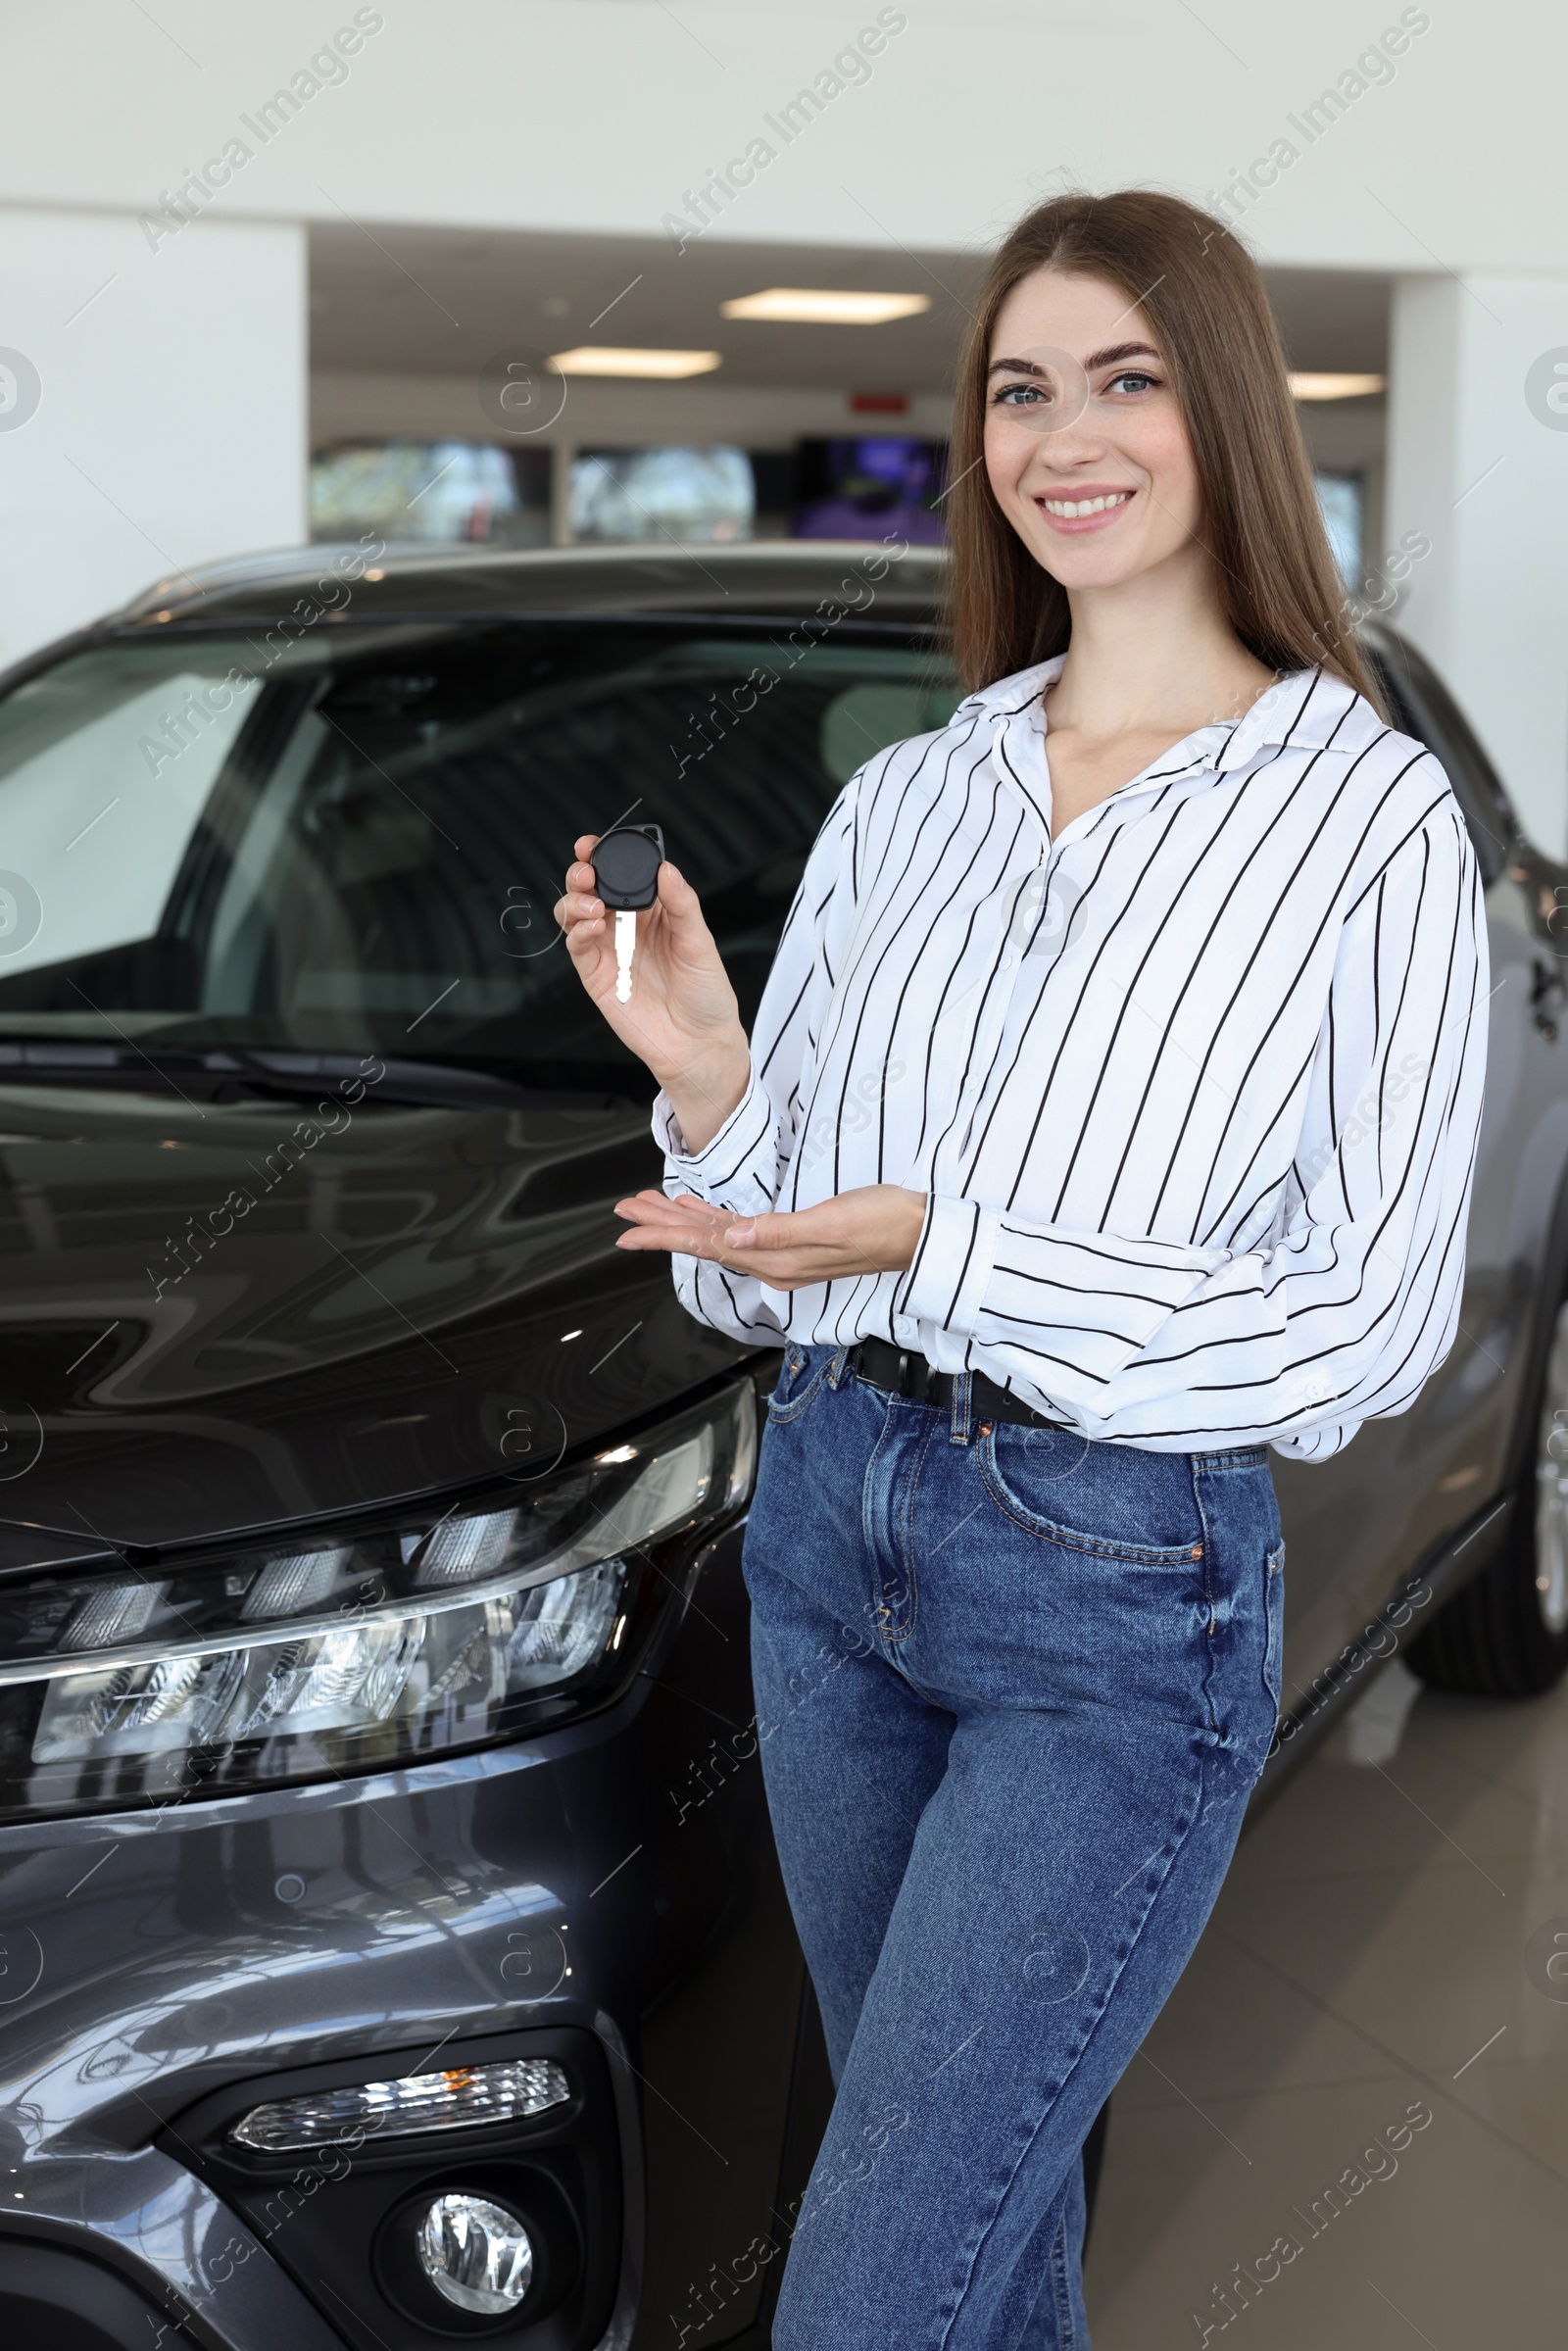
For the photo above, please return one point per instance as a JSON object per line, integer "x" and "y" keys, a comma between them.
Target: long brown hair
{"x": 1200, "y": 291}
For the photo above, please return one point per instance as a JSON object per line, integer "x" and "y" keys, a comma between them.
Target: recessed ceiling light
{"x": 824, "y": 306}
{"x": 604, "y": 359}
{"x": 1336, "y": 387}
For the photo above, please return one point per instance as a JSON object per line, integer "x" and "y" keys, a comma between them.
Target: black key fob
{"x": 626, "y": 864}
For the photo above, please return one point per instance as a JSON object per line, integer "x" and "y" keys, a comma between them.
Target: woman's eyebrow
{"x": 1110, "y": 356}
{"x": 1117, "y": 353}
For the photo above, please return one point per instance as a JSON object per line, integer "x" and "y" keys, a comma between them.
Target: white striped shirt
{"x": 1194, "y": 1089}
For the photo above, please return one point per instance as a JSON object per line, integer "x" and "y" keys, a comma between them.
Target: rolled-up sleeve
{"x": 1353, "y": 1300}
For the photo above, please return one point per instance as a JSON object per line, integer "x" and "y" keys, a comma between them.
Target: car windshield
{"x": 353, "y": 843}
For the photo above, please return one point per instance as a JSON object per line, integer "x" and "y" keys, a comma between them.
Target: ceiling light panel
{"x": 605, "y": 358}
{"x": 1336, "y": 387}
{"x": 824, "y": 306}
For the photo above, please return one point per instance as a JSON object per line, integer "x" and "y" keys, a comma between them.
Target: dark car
{"x": 393, "y": 1950}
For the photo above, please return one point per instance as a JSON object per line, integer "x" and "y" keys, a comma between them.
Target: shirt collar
{"x": 1307, "y": 710}
{"x": 1010, "y": 696}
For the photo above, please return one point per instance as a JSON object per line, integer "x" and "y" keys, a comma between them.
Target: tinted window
{"x": 354, "y": 843}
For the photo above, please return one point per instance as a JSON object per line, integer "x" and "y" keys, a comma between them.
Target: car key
{"x": 627, "y": 862}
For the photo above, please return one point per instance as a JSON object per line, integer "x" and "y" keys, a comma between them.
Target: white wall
{"x": 598, "y": 115}
{"x": 1475, "y": 468}
{"x": 169, "y": 426}
{"x": 595, "y": 414}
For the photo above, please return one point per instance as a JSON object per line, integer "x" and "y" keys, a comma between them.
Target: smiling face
{"x": 1085, "y": 449}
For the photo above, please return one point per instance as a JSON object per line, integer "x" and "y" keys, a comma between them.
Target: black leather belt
{"x": 902, "y": 1372}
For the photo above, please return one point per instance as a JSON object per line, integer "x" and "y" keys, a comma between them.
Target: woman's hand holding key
{"x": 683, "y": 1020}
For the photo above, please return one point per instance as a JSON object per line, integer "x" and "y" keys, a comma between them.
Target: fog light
{"x": 477, "y": 2254}
{"x": 457, "y": 2099}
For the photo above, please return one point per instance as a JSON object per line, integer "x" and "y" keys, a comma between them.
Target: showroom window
{"x": 431, "y": 490}
{"x": 688, "y": 494}
{"x": 1341, "y": 503}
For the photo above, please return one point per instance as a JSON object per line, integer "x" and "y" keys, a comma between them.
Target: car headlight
{"x": 352, "y": 1653}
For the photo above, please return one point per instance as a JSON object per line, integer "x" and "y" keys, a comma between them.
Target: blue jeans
{"x": 1014, "y": 1690}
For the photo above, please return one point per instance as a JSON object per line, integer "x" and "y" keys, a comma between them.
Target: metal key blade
{"x": 626, "y": 941}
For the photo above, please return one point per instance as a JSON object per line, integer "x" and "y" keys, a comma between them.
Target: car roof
{"x": 865, "y": 583}
{"x": 772, "y": 576}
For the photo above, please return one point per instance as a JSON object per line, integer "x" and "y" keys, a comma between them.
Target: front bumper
{"x": 613, "y": 1881}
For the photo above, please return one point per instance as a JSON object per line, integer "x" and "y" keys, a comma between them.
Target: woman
{"x": 1164, "y": 967}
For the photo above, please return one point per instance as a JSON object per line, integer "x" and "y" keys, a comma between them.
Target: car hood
{"x": 218, "y": 1317}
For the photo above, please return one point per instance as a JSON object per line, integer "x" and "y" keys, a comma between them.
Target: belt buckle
{"x": 904, "y": 1387}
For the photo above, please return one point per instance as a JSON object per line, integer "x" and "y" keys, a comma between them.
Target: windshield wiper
{"x": 257, "y": 1070}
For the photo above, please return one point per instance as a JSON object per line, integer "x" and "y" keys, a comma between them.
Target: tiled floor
{"x": 1380, "y": 1947}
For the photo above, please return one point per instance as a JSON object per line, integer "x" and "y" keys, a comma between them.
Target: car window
{"x": 1422, "y": 706}
{"x": 67, "y": 766}
{"x": 352, "y": 842}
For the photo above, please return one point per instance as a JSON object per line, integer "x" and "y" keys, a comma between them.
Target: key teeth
{"x": 625, "y": 948}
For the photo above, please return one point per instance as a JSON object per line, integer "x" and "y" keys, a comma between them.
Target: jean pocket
{"x": 800, "y": 1380}
{"x": 1274, "y": 1608}
{"x": 1039, "y": 1475}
